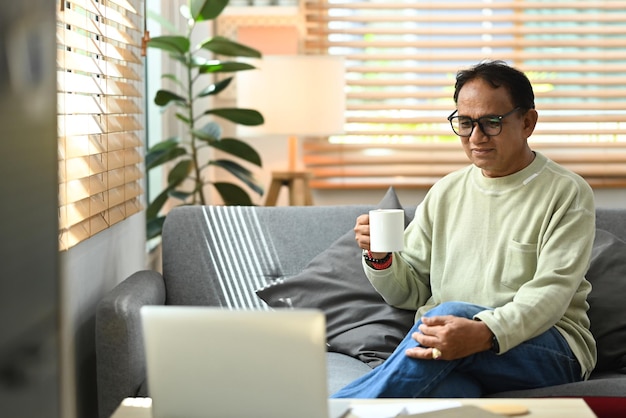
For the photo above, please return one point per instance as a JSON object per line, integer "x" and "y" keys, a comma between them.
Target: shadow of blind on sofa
{"x": 242, "y": 257}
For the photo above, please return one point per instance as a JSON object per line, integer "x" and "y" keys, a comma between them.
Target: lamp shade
{"x": 302, "y": 95}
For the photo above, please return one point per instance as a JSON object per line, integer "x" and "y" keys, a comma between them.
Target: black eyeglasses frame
{"x": 479, "y": 123}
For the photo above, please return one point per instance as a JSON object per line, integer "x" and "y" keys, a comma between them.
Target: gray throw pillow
{"x": 607, "y": 310}
{"x": 359, "y": 322}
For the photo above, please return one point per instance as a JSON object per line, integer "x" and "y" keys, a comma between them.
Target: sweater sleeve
{"x": 406, "y": 284}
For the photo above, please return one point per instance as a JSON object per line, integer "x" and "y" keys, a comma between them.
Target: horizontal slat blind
{"x": 99, "y": 109}
{"x": 420, "y": 164}
{"x": 402, "y": 58}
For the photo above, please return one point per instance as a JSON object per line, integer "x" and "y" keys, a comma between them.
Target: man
{"x": 494, "y": 260}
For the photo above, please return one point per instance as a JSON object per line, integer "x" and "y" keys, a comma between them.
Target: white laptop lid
{"x": 212, "y": 362}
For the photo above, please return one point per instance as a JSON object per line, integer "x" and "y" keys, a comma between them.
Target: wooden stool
{"x": 298, "y": 184}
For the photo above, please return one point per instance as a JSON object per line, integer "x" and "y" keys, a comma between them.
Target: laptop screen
{"x": 213, "y": 362}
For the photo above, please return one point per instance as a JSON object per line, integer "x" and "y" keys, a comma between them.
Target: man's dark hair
{"x": 499, "y": 74}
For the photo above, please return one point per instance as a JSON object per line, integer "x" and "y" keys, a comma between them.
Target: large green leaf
{"x": 209, "y": 133}
{"x": 180, "y": 194}
{"x": 156, "y": 205}
{"x": 248, "y": 117}
{"x": 240, "y": 172}
{"x": 179, "y": 173}
{"x": 216, "y": 88}
{"x": 169, "y": 143}
{"x": 207, "y": 9}
{"x": 165, "y": 97}
{"x": 176, "y": 44}
{"x": 224, "y": 46}
{"x": 225, "y": 67}
{"x": 154, "y": 227}
{"x": 163, "y": 153}
{"x": 232, "y": 194}
{"x": 183, "y": 118}
{"x": 239, "y": 149}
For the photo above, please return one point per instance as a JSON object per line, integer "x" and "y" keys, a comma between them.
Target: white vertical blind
{"x": 402, "y": 58}
{"x": 100, "y": 92}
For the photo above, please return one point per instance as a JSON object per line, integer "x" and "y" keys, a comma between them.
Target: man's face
{"x": 507, "y": 152}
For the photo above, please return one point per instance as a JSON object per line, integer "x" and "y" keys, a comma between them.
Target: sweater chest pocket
{"x": 520, "y": 264}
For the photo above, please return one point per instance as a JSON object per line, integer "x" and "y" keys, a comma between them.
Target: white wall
{"x": 88, "y": 271}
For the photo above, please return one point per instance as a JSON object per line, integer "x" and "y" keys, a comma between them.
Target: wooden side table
{"x": 297, "y": 183}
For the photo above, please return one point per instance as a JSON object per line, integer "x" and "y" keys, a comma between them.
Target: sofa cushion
{"x": 607, "y": 311}
{"x": 343, "y": 369}
{"x": 359, "y": 322}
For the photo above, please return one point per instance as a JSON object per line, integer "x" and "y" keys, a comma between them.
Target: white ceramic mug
{"x": 386, "y": 230}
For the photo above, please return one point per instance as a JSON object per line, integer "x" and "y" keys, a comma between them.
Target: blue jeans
{"x": 545, "y": 360}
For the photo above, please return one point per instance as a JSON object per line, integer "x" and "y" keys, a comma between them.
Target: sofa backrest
{"x": 202, "y": 242}
{"x": 204, "y": 246}
{"x": 612, "y": 220}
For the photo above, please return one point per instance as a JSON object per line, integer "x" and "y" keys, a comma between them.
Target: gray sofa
{"x": 252, "y": 257}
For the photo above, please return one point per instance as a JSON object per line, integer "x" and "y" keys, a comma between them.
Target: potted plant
{"x": 188, "y": 176}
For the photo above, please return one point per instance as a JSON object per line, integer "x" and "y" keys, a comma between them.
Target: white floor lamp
{"x": 298, "y": 95}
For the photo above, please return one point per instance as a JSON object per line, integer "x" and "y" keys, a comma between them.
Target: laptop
{"x": 210, "y": 362}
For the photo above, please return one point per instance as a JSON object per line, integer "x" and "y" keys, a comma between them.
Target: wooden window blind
{"x": 401, "y": 62}
{"x": 99, "y": 78}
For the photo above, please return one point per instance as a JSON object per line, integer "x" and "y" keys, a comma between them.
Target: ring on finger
{"x": 436, "y": 353}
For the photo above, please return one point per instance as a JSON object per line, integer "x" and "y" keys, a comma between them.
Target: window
{"x": 99, "y": 78}
{"x": 402, "y": 58}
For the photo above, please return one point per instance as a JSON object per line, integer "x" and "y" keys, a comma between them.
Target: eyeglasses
{"x": 491, "y": 125}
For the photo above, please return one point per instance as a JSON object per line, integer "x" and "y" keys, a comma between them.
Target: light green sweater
{"x": 520, "y": 244}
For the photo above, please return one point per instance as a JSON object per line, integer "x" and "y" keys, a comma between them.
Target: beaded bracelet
{"x": 377, "y": 263}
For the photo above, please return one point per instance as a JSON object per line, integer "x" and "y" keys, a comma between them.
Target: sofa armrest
{"x": 120, "y": 362}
